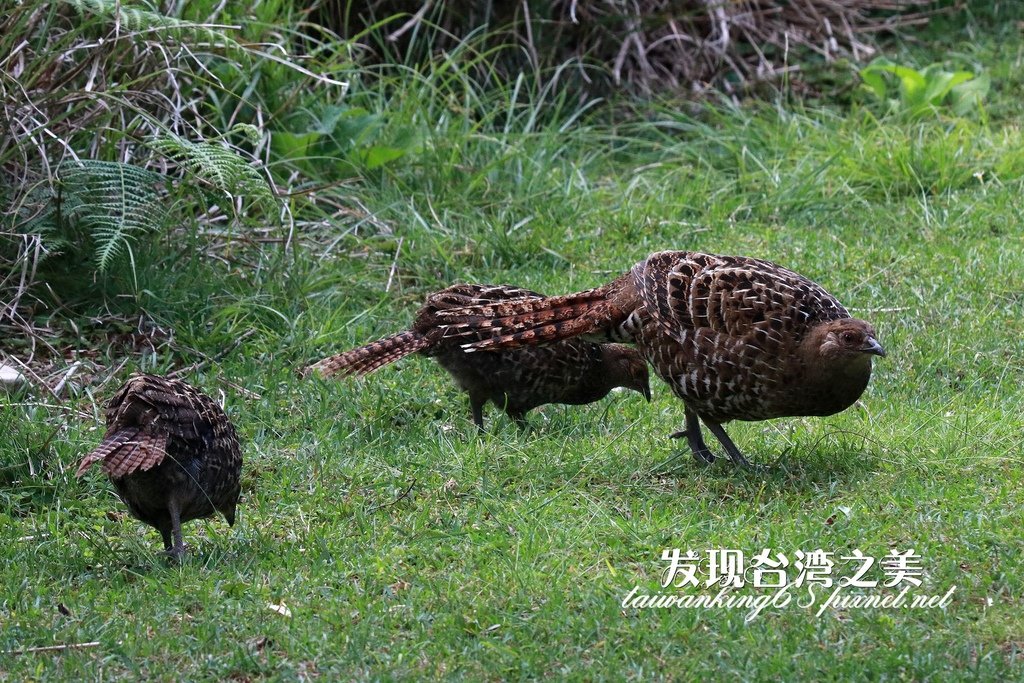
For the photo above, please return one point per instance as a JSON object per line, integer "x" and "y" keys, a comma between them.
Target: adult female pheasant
{"x": 574, "y": 371}
{"x": 171, "y": 453}
{"x": 736, "y": 338}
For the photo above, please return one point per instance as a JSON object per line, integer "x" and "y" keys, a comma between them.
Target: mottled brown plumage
{"x": 172, "y": 454}
{"x": 736, "y": 338}
{"x": 517, "y": 380}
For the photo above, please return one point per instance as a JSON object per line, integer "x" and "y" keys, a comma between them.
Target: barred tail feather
{"x": 530, "y": 322}
{"x": 526, "y": 311}
{"x": 142, "y": 453}
{"x": 127, "y": 451}
{"x": 108, "y": 446}
{"x": 583, "y": 327}
{"x": 366, "y": 359}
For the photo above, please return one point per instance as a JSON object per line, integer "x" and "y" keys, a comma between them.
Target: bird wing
{"x": 548, "y": 371}
{"x": 159, "y": 405}
{"x": 731, "y": 295}
{"x": 127, "y": 451}
{"x": 463, "y": 295}
{"x": 183, "y": 412}
{"x": 480, "y": 303}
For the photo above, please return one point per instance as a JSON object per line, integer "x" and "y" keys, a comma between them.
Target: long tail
{"x": 527, "y": 322}
{"x": 366, "y": 359}
{"x": 126, "y": 451}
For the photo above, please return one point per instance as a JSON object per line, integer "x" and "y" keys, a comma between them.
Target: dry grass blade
{"x": 54, "y": 648}
{"x": 20, "y": 268}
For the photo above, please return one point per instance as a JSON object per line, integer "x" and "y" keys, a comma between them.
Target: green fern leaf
{"x": 136, "y": 19}
{"x": 114, "y": 202}
{"x": 216, "y": 165}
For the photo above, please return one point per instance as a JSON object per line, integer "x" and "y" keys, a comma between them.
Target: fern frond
{"x": 247, "y": 130}
{"x": 216, "y": 165}
{"x": 139, "y": 19}
{"x": 114, "y": 202}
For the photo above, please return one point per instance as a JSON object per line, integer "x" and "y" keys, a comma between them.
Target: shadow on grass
{"x": 122, "y": 549}
{"x": 836, "y": 457}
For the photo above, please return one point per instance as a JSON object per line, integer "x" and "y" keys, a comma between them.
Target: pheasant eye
{"x": 849, "y": 337}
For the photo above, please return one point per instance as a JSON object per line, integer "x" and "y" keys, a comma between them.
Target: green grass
{"x": 405, "y": 546}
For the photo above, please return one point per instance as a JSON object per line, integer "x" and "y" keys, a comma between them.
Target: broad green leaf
{"x": 922, "y": 91}
{"x": 969, "y": 95}
{"x": 874, "y": 81}
{"x": 332, "y": 114}
{"x": 912, "y": 83}
{"x": 941, "y": 82}
{"x": 293, "y": 145}
{"x": 355, "y": 128}
{"x": 378, "y": 155}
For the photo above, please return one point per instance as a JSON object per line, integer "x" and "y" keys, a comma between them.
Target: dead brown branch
{"x": 649, "y": 46}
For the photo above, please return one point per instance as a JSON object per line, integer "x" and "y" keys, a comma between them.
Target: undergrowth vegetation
{"x": 231, "y": 191}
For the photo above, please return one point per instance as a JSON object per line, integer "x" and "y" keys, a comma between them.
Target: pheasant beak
{"x": 873, "y": 347}
{"x": 646, "y": 391}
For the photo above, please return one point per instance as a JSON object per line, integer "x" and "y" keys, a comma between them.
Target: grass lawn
{"x": 380, "y": 537}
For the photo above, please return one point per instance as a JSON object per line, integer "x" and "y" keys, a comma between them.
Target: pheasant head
{"x": 835, "y": 358}
{"x": 847, "y": 340}
{"x": 626, "y": 368}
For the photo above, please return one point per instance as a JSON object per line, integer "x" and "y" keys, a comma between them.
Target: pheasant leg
{"x": 695, "y": 439}
{"x": 476, "y": 404}
{"x": 730, "y": 447}
{"x": 519, "y": 418}
{"x": 178, "y": 549}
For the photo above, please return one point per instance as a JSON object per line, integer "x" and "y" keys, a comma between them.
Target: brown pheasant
{"x": 172, "y": 454}
{"x": 573, "y": 371}
{"x": 736, "y": 338}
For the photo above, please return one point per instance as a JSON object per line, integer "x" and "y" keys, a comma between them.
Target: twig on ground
{"x": 415, "y": 19}
{"x": 54, "y": 648}
{"x": 402, "y": 496}
{"x": 215, "y": 359}
{"x": 394, "y": 265}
